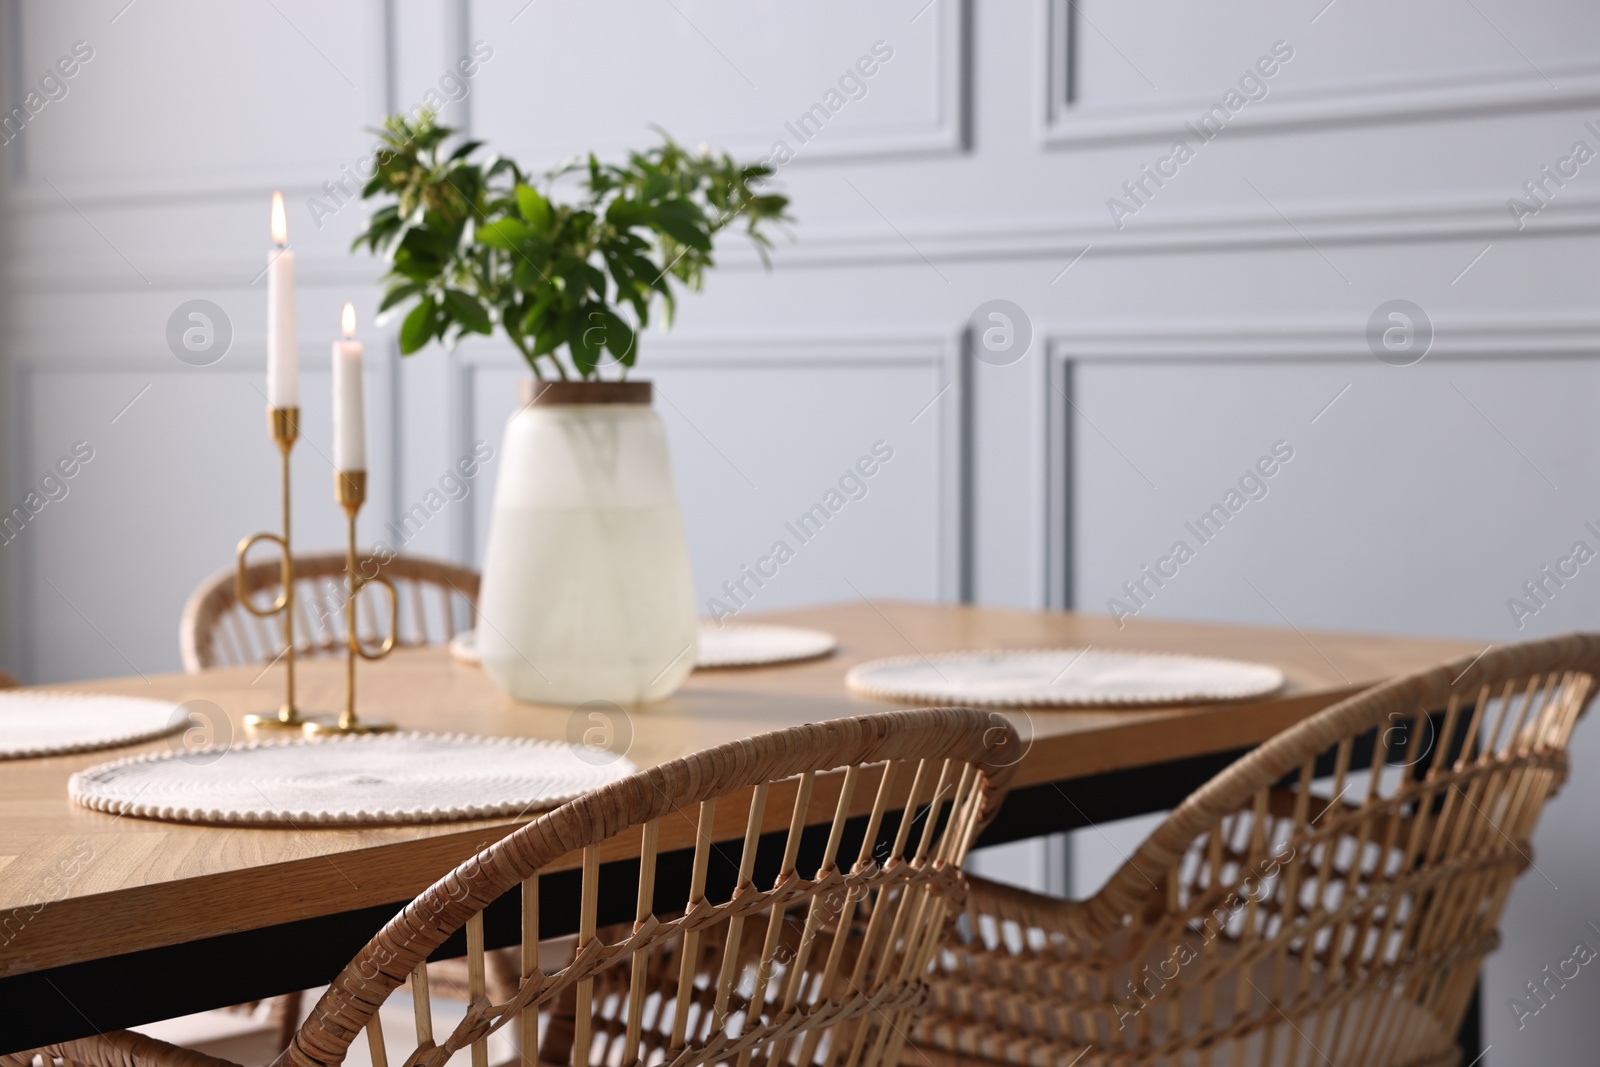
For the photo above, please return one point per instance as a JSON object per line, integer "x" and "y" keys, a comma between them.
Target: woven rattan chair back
{"x": 768, "y": 949}
{"x": 437, "y": 600}
{"x": 768, "y": 957}
{"x": 1326, "y": 899}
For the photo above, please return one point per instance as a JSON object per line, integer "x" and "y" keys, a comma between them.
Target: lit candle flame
{"x": 347, "y": 321}
{"x": 280, "y": 225}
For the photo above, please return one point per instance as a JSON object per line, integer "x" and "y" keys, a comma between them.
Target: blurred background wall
{"x": 1174, "y": 315}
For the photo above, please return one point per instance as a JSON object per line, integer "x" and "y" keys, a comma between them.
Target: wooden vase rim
{"x": 568, "y": 393}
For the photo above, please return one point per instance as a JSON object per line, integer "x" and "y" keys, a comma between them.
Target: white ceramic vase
{"x": 586, "y": 591}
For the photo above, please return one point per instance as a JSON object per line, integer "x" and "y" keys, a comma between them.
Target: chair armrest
{"x": 123, "y": 1048}
{"x": 1007, "y": 903}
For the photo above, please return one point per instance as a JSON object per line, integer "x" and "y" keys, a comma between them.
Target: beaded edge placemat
{"x": 59, "y": 722}
{"x": 918, "y": 678}
{"x": 442, "y": 778}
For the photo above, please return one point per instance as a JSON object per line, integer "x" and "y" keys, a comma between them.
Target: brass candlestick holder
{"x": 285, "y": 426}
{"x": 351, "y": 489}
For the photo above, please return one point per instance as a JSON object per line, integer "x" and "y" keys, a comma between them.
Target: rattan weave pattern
{"x": 1304, "y": 906}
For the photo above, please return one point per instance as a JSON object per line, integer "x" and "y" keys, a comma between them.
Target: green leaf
{"x": 380, "y": 234}
{"x": 644, "y": 271}
{"x": 586, "y": 337}
{"x": 534, "y": 207}
{"x": 499, "y": 165}
{"x": 418, "y": 328}
{"x": 437, "y": 235}
{"x": 384, "y": 217}
{"x": 597, "y": 281}
{"x": 621, "y": 275}
{"x": 573, "y": 274}
{"x": 527, "y": 275}
{"x": 624, "y": 213}
{"x": 397, "y": 294}
{"x": 684, "y": 223}
{"x": 548, "y": 339}
{"x": 504, "y": 234}
{"x": 656, "y": 185}
{"x": 620, "y": 339}
{"x": 409, "y": 266}
{"x": 768, "y": 207}
{"x": 534, "y": 322}
{"x": 467, "y": 311}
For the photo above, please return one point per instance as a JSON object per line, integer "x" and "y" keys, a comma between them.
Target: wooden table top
{"x": 77, "y": 884}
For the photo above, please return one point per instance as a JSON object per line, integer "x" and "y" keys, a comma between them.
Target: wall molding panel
{"x": 1241, "y": 340}
{"x": 1463, "y": 94}
{"x": 188, "y": 182}
{"x": 949, "y": 95}
{"x": 1253, "y": 340}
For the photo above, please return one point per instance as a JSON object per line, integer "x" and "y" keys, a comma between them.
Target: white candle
{"x": 283, "y": 367}
{"x": 349, "y": 417}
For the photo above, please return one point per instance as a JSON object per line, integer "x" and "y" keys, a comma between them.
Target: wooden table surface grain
{"x": 77, "y": 884}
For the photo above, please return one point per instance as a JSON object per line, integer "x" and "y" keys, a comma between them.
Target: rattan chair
{"x": 437, "y": 599}
{"x": 1314, "y": 903}
{"x": 776, "y": 951}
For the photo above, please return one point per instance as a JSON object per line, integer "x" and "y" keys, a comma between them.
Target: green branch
{"x": 474, "y": 244}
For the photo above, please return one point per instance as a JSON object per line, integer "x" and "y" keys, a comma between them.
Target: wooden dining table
{"x": 110, "y": 921}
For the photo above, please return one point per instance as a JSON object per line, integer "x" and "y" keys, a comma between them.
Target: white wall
{"x": 1224, "y": 315}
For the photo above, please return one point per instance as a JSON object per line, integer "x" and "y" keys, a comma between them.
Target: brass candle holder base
{"x": 329, "y": 727}
{"x": 351, "y": 489}
{"x": 284, "y": 424}
{"x": 286, "y": 719}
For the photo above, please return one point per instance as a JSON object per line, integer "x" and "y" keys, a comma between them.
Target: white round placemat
{"x": 752, "y": 645}
{"x": 371, "y": 778}
{"x": 53, "y": 723}
{"x": 720, "y": 646}
{"x": 1065, "y": 677}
